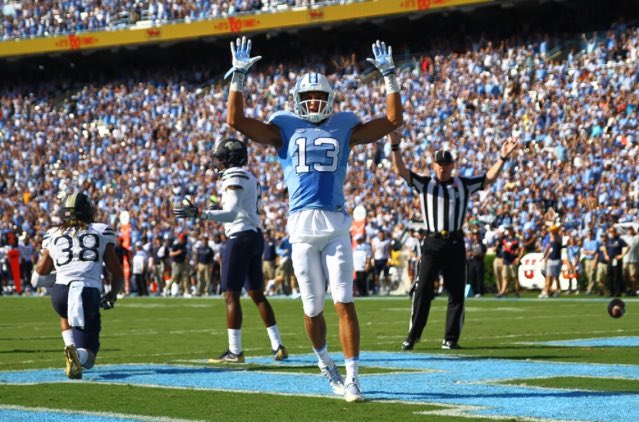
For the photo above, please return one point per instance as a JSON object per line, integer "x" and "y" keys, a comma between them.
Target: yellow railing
{"x": 224, "y": 26}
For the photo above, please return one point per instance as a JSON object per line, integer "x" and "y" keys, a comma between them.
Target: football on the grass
{"x": 616, "y": 308}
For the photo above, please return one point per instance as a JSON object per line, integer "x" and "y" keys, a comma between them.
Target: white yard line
{"x": 461, "y": 411}
{"x": 93, "y": 414}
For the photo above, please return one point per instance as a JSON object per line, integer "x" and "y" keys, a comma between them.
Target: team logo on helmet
{"x": 313, "y": 82}
{"x": 77, "y": 207}
{"x": 231, "y": 152}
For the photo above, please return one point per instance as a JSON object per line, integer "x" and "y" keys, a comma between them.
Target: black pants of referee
{"x": 448, "y": 258}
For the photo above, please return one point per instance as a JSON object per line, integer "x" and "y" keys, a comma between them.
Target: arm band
{"x": 391, "y": 84}
{"x": 394, "y": 147}
{"x": 237, "y": 81}
{"x": 38, "y": 280}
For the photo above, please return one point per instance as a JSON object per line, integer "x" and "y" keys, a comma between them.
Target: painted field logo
{"x": 470, "y": 386}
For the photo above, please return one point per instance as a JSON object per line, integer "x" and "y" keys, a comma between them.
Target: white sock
{"x": 274, "y": 336}
{"x": 83, "y": 355}
{"x": 67, "y": 336}
{"x": 324, "y": 359}
{"x": 235, "y": 341}
{"x": 352, "y": 366}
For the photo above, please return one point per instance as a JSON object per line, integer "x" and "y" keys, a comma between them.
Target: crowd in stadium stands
{"x": 26, "y": 19}
{"x": 137, "y": 145}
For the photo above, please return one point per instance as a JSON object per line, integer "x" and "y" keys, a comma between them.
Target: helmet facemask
{"x": 313, "y": 82}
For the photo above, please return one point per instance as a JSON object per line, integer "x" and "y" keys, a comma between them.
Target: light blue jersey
{"x": 314, "y": 158}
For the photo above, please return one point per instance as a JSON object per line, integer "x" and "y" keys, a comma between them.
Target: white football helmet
{"x": 313, "y": 82}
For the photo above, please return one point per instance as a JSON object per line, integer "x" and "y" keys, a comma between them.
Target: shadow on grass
{"x": 60, "y": 350}
{"x": 119, "y": 374}
{"x": 28, "y": 338}
{"x": 32, "y": 351}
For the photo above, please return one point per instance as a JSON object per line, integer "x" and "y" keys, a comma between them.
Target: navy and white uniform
{"x": 77, "y": 255}
{"x": 242, "y": 253}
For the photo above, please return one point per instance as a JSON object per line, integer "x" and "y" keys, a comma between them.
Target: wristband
{"x": 504, "y": 159}
{"x": 237, "y": 81}
{"x": 391, "y": 83}
{"x": 394, "y": 147}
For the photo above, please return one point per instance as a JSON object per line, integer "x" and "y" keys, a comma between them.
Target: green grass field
{"x": 189, "y": 331}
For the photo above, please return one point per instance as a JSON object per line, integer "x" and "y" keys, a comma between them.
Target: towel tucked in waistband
{"x": 75, "y": 310}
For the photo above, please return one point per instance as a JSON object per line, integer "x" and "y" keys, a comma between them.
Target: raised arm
{"x": 398, "y": 161}
{"x": 376, "y": 129}
{"x": 256, "y": 130}
{"x": 506, "y": 148}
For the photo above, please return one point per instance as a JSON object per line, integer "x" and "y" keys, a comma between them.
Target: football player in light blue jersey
{"x": 313, "y": 145}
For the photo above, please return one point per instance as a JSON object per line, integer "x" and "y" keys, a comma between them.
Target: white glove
{"x": 383, "y": 58}
{"x": 242, "y": 59}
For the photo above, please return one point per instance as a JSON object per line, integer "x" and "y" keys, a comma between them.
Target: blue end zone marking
{"x": 447, "y": 379}
{"x": 595, "y": 342}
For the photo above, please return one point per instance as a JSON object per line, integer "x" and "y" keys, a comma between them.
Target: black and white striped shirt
{"x": 444, "y": 205}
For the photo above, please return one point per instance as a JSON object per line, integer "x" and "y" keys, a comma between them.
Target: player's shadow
{"x": 28, "y": 338}
{"x": 46, "y": 350}
{"x": 122, "y": 374}
{"x": 32, "y": 351}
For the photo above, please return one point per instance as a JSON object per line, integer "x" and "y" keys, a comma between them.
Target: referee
{"x": 444, "y": 201}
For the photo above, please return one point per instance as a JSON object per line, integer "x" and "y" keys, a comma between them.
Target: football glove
{"x": 107, "y": 301}
{"x": 383, "y": 58}
{"x": 186, "y": 209}
{"x": 242, "y": 60}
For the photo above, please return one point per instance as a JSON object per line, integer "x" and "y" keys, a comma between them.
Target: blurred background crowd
{"x": 136, "y": 133}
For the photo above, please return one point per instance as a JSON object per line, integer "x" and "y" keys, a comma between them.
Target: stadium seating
{"x": 136, "y": 142}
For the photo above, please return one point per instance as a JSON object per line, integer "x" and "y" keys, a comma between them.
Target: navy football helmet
{"x": 230, "y": 152}
{"x": 77, "y": 207}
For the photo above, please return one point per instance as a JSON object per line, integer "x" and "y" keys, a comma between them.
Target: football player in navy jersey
{"x": 313, "y": 144}
{"x": 76, "y": 249}
{"x": 242, "y": 253}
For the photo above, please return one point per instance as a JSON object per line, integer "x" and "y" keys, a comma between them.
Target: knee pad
{"x": 314, "y": 307}
{"x": 90, "y": 361}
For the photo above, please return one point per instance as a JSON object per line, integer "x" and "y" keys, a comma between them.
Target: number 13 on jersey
{"x": 319, "y": 154}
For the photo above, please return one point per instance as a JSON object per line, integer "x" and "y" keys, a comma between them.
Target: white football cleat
{"x": 334, "y": 378}
{"x": 352, "y": 391}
